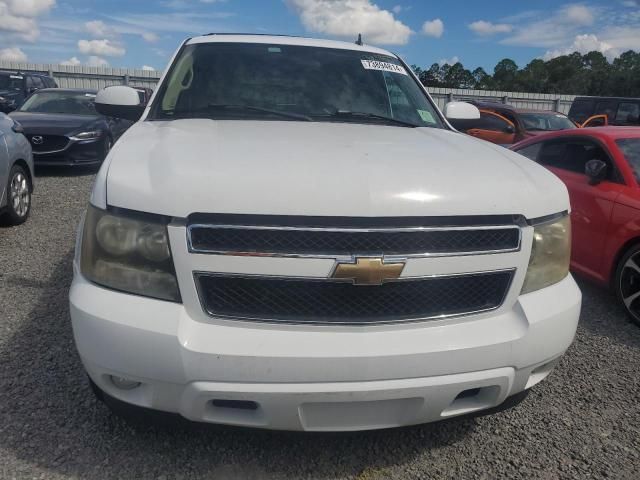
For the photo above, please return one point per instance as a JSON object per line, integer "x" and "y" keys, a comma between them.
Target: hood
{"x": 181, "y": 167}
{"x": 53, "y": 123}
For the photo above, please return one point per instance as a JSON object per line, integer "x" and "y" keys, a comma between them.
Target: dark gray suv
{"x": 15, "y": 87}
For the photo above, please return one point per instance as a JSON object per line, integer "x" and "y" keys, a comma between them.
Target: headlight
{"x": 550, "y": 255}
{"x": 87, "y": 135}
{"x": 128, "y": 252}
{"x": 2, "y": 99}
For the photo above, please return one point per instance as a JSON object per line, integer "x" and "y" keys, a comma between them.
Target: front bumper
{"x": 318, "y": 378}
{"x": 85, "y": 152}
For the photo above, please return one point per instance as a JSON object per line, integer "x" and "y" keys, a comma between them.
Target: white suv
{"x": 292, "y": 236}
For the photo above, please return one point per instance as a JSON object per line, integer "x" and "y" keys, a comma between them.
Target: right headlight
{"x": 128, "y": 252}
{"x": 550, "y": 255}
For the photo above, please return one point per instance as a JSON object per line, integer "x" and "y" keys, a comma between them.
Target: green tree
{"x": 504, "y": 74}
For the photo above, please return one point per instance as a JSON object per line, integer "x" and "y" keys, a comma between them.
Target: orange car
{"x": 506, "y": 125}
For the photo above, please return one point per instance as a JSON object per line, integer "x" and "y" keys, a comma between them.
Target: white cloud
{"x": 29, "y": 8}
{"x": 148, "y": 68}
{"x": 13, "y": 54}
{"x": 95, "y": 61}
{"x": 150, "y": 37}
{"x": 585, "y": 44}
{"x": 12, "y": 25}
{"x": 555, "y": 29}
{"x": 579, "y": 14}
{"x": 631, "y": 3}
{"x": 348, "y": 18}
{"x": 99, "y": 29}
{"x": 484, "y": 28}
{"x": 72, "y": 62}
{"x": 433, "y": 28}
{"x": 449, "y": 61}
{"x": 101, "y": 47}
{"x": 397, "y": 9}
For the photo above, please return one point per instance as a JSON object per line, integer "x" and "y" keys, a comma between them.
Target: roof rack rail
{"x": 253, "y": 34}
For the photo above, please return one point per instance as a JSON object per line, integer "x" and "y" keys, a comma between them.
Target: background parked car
{"x": 15, "y": 87}
{"x": 65, "y": 129}
{"x": 618, "y": 111}
{"x": 505, "y": 125}
{"x": 16, "y": 173}
{"x": 601, "y": 169}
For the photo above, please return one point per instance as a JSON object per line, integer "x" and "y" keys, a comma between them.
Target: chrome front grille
{"x": 340, "y": 242}
{"x": 370, "y": 243}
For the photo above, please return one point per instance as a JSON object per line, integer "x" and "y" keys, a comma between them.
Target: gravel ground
{"x": 583, "y": 422}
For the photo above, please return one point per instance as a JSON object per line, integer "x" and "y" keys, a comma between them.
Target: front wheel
{"x": 627, "y": 283}
{"x": 18, "y": 196}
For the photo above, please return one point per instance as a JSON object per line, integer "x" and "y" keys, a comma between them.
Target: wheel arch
{"x": 629, "y": 244}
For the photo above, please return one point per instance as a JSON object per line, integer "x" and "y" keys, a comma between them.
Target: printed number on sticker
{"x": 383, "y": 66}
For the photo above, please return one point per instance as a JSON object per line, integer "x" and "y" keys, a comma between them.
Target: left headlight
{"x": 128, "y": 252}
{"x": 93, "y": 134}
{"x": 550, "y": 255}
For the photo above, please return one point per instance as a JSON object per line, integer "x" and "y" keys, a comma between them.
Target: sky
{"x": 145, "y": 33}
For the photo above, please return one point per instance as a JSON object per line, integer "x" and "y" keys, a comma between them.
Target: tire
{"x": 627, "y": 283}
{"x": 18, "y": 196}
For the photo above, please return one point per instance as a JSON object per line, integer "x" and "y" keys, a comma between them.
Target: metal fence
{"x": 99, "y": 77}
{"x": 68, "y": 76}
{"x": 536, "y": 101}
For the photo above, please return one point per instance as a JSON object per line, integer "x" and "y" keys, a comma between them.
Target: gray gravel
{"x": 583, "y": 422}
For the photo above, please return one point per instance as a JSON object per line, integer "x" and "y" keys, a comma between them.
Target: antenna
{"x": 359, "y": 41}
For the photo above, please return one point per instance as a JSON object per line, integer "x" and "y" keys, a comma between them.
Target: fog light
{"x": 123, "y": 383}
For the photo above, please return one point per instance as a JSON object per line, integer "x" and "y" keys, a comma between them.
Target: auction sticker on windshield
{"x": 383, "y": 66}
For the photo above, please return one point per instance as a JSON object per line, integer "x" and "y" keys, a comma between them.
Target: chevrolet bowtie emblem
{"x": 368, "y": 271}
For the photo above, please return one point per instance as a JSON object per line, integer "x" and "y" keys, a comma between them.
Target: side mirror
{"x": 120, "y": 102}
{"x": 461, "y": 111}
{"x": 596, "y": 171}
{"x": 509, "y": 129}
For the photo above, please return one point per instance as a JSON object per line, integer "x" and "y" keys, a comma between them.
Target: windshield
{"x": 631, "y": 149}
{"x": 11, "y": 82}
{"x": 240, "y": 81}
{"x": 546, "y": 121}
{"x": 72, "y": 103}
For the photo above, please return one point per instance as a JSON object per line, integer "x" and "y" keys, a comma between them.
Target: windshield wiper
{"x": 250, "y": 108}
{"x": 373, "y": 116}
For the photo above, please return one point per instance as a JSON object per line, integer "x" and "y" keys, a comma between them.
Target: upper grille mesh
{"x": 350, "y": 242}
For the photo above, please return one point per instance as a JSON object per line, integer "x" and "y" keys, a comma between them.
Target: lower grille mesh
{"x": 330, "y": 302}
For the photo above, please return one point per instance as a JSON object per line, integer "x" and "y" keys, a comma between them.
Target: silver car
{"x": 16, "y": 173}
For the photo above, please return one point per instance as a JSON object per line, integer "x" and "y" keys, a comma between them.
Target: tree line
{"x": 574, "y": 74}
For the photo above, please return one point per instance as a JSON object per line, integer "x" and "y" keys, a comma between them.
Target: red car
{"x": 601, "y": 169}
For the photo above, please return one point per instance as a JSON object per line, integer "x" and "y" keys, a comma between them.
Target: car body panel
{"x": 182, "y": 358}
{"x": 508, "y": 114}
{"x": 340, "y": 169}
{"x": 605, "y": 217}
{"x": 14, "y": 98}
{"x": 620, "y": 111}
{"x": 55, "y": 131}
{"x": 13, "y": 147}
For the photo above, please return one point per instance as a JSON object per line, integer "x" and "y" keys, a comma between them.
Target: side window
{"x": 29, "y": 83}
{"x": 581, "y": 110}
{"x": 607, "y": 108}
{"x": 552, "y": 153}
{"x": 628, "y": 113}
{"x": 531, "y": 152}
{"x": 573, "y": 155}
{"x": 37, "y": 82}
{"x": 493, "y": 122}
